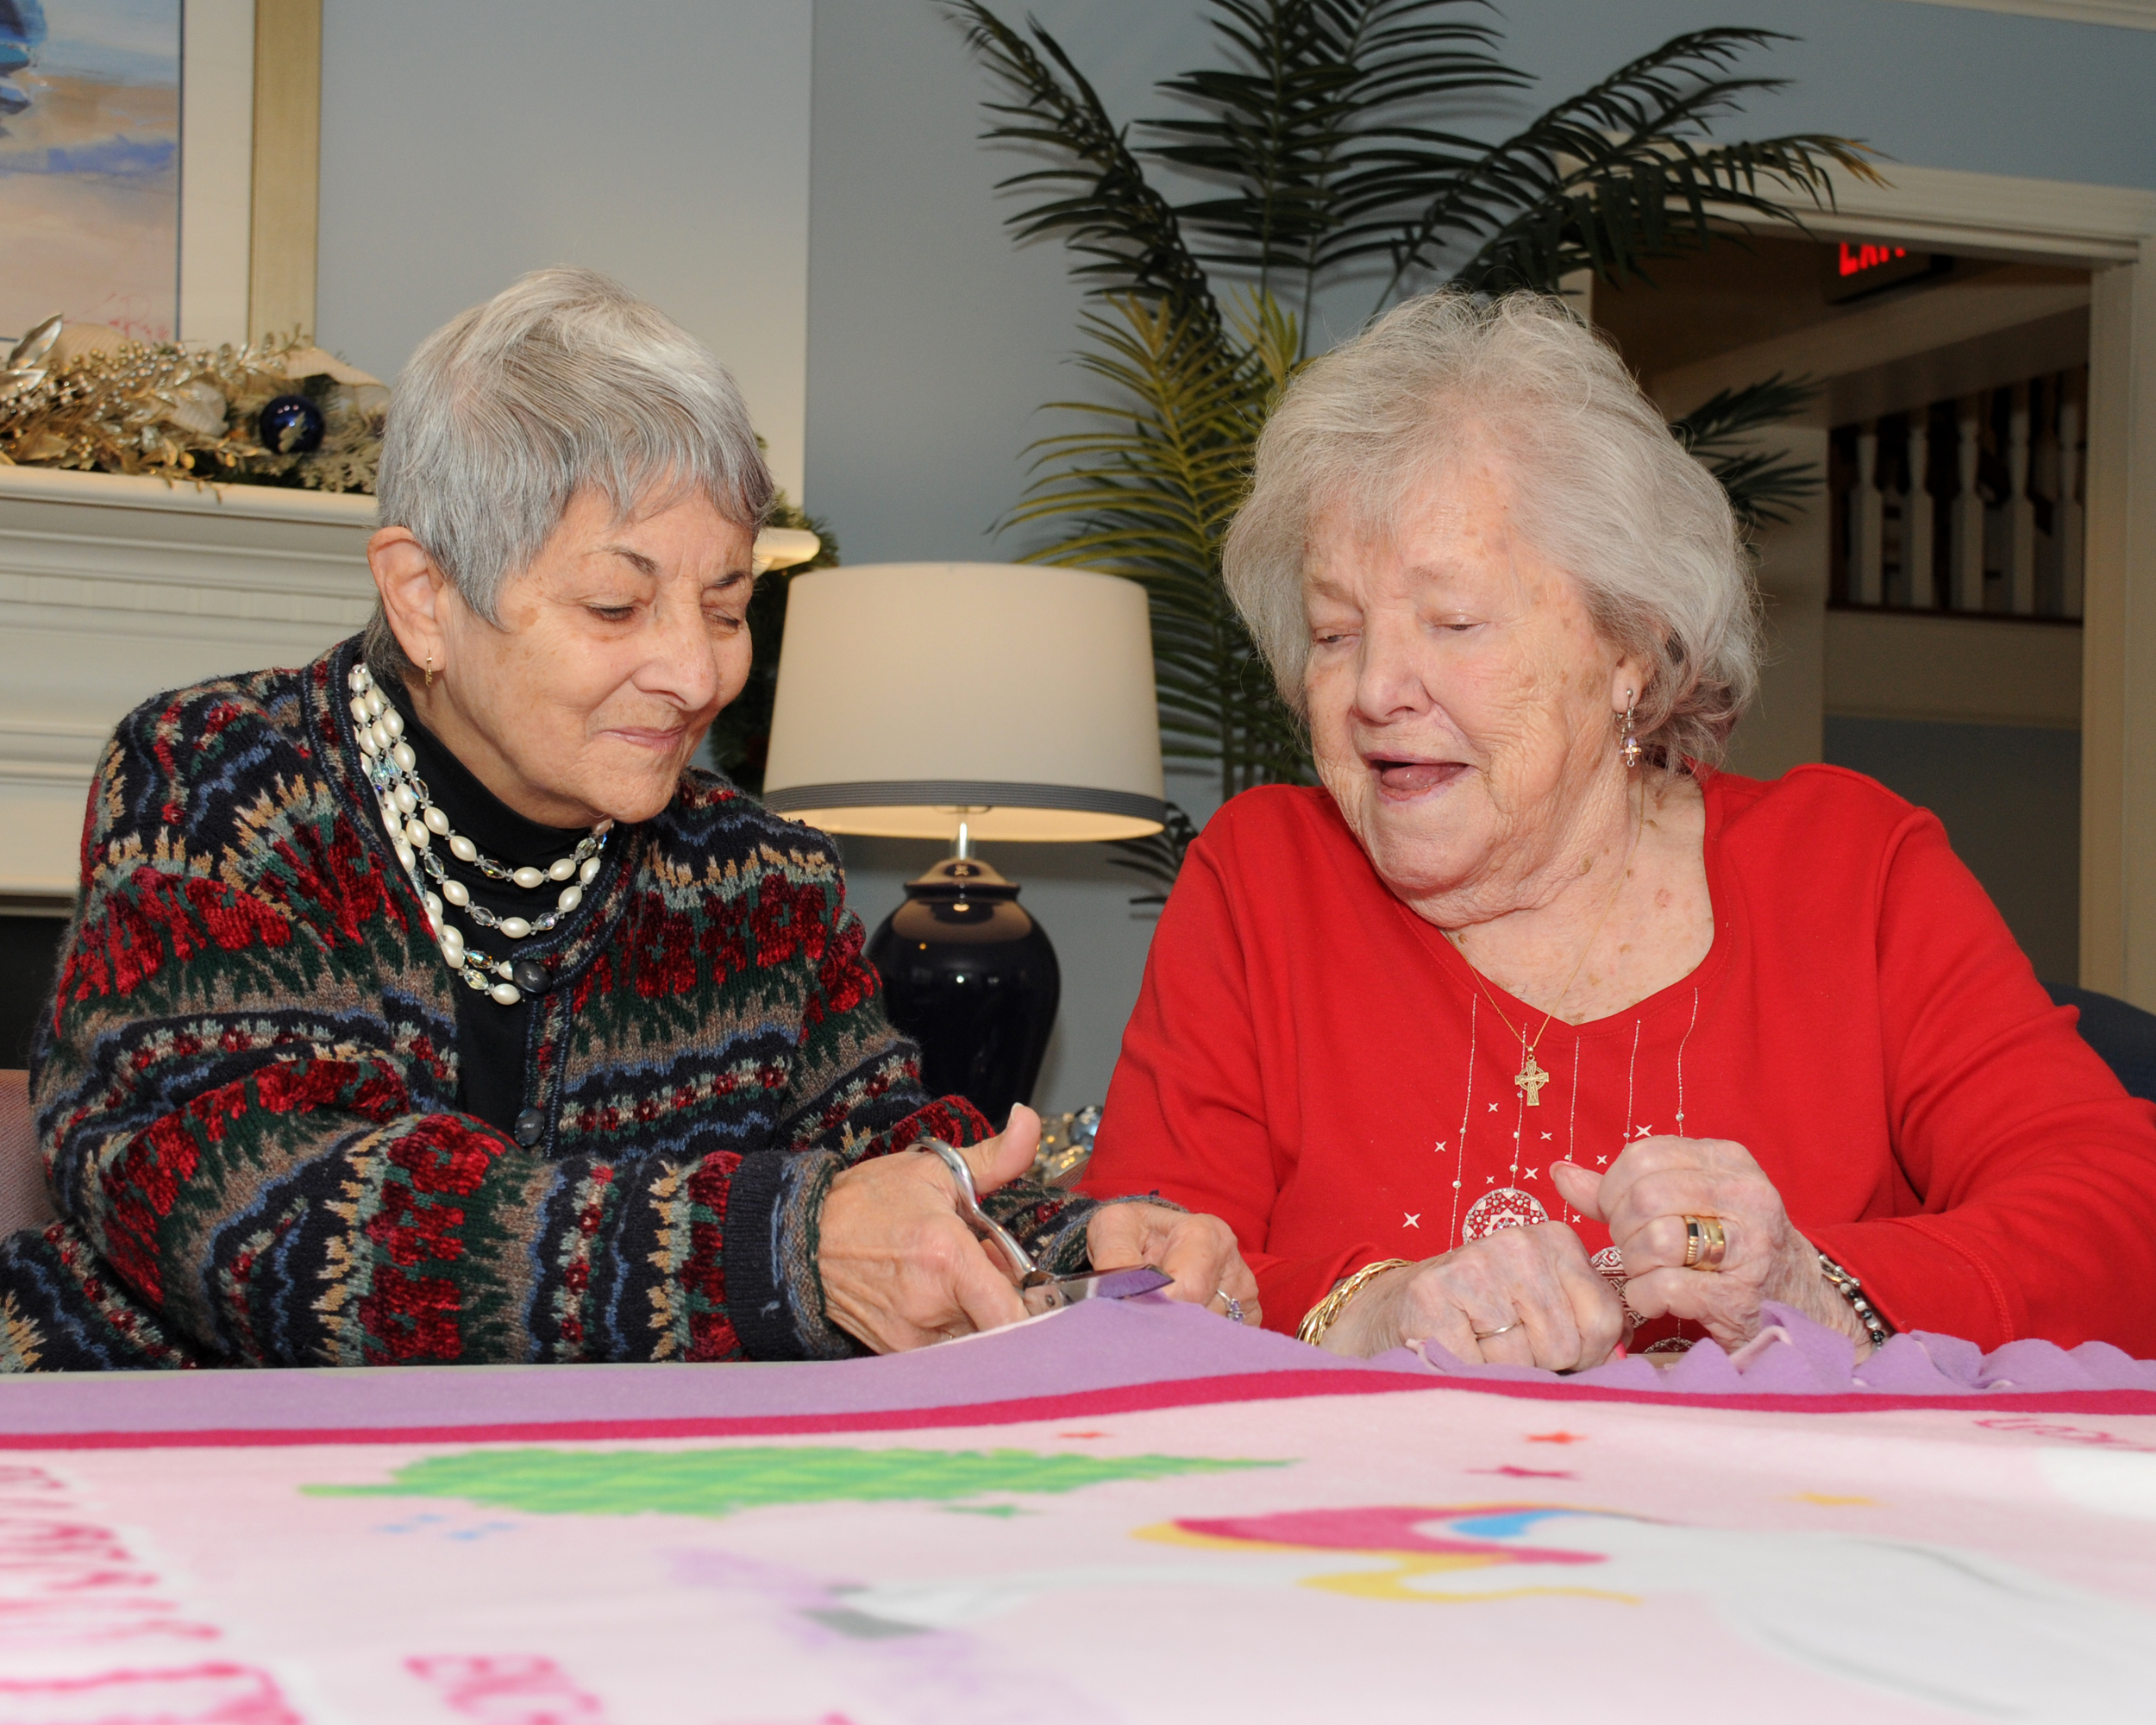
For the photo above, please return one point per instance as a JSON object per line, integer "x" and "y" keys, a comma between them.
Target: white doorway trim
{"x": 2112, "y": 230}
{"x": 2125, "y": 14}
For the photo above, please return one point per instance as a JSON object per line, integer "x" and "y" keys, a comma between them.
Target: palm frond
{"x": 1606, "y": 179}
{"x": 1722, "y": 432}
{"x": 1633, "y": 200}
{"x": 1147, "y": 491}
{"x": 1106, "y": 209}
{"x": 1159, "y": 858}
{"x": 1315, "y": 83}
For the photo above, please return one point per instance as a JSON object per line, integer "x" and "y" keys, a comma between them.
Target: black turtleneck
{"x": 493, "y": 1041}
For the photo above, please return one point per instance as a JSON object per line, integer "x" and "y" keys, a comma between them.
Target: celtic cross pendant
{"x": 1531, "y": 1078}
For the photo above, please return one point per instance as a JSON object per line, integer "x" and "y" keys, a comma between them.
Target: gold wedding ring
{"x": 1705, "y": 1243}
{"x": 1487, "y": 1335}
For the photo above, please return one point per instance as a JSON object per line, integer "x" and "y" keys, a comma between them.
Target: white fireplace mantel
{"x": 113, "y": 589}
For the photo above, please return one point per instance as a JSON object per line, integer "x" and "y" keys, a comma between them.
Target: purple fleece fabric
{"x": 1793, "y": 1356}
{"x": 1099, "y": 1346}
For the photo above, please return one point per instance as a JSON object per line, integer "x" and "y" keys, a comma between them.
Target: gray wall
{"x": 1991, "y": 785}
{"x": 467, "y": 141}
{"x": 665, "y": 142}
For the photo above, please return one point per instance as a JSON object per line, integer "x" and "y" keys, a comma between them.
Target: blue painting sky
{"x": 90, "y": 165}
{"x": 112, "y": 41}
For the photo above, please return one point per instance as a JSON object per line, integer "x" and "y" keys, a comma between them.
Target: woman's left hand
{"x": 1198, "y": 1251}
{"x": 1643, "y": 1198}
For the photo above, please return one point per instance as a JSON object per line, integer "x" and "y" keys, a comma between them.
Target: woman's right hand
{"x": 900, "y": 1270}
{"x": 1521, "y": 1297}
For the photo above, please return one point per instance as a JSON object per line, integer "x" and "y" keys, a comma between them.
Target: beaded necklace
{"x": 414, "y": 823}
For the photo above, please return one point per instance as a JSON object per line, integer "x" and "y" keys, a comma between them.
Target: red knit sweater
{"x": 1311, "y": 1061}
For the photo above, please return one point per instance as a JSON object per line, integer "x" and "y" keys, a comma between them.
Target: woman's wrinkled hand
{"x": 1643, "y": 1198}
{"x": 901, "y": 1268}
{"x": 1522, "y": 1296}
{"x": 1198, "y": 1251}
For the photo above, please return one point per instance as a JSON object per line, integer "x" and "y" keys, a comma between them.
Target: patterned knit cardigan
{"x": 246, "y": 1086}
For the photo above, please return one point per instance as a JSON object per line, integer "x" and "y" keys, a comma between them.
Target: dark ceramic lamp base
{"x": 971, "y": 978}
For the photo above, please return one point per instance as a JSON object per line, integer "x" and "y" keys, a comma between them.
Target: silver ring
{"x": 1235, "y": 1306}
{"x": 1488, "y": 1335}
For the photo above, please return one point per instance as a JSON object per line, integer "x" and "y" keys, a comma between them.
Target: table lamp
{"x": 967, "y": 702}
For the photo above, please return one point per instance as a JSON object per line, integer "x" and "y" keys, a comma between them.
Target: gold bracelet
{"x": 1322, "y": 1316}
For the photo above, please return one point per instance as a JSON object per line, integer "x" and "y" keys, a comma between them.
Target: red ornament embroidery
{"x": 1507, "y": 1207}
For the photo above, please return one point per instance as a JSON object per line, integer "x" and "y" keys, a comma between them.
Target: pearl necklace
{"x": 414, "y": 823}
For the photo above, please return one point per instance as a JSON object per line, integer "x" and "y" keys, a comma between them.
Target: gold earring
{"x": 1629, "y": 750}
{"x": 429, "y": 670}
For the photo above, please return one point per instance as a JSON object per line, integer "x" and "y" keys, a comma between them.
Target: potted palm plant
{"x": 1328, "y": 148}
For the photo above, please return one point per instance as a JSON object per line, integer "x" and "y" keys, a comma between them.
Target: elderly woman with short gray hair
{"x": 426, "y": 1005}
{"x": 1532, "y": 1033}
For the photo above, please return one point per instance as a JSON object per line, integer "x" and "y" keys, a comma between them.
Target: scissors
{"x": 1041, "y": 1291}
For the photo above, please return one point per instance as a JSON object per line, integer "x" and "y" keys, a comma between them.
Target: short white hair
{"x": 1601, "y": 487}
{"x": 561, "y": 383}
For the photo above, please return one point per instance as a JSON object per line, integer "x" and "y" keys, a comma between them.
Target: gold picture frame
{"x": 250, "y": 167}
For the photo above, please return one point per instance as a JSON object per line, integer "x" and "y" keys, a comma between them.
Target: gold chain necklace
{"x": 1531, "y": 1077}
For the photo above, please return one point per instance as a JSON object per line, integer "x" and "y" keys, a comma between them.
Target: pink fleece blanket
{"x": 1135, "y": 1513}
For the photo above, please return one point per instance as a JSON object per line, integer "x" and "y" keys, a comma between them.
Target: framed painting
{"x": 158, "y": 165}
{"x": 89, "y": 164}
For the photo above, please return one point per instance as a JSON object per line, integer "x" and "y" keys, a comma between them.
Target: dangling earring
{"x": 1629, "y": 750}
{"x": 429, "y": 670}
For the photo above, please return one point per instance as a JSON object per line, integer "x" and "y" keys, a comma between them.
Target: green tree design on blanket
{"x": 721, "y": 1482}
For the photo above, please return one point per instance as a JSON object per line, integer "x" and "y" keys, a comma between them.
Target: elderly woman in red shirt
{"x": 1532, "y": 1033}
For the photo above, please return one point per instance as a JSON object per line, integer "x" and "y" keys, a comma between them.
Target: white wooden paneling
{"x": 2118, "y": 726}
{"x": 1952, "y": 670}
{"x": 2125, "y": 14}
{"x": 1785, "y": 726}
{"x": 1896, "y": 331}
{"x": 113, "y": 589}
{"x": 1989, "y": 215}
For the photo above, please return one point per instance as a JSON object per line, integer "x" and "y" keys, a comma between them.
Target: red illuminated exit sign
{"x": 1854, "y": 268}
{"x": 1866, "y": 260}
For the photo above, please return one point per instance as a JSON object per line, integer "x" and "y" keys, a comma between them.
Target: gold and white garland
{"x": 84, "y": 396}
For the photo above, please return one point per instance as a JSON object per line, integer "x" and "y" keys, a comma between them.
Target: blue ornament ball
{"x": 291, "y": 425}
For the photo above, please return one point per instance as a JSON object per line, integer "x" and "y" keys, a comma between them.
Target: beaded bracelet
{"x": 1875, "y": 1326}
{"x": 1320, "y": 1317}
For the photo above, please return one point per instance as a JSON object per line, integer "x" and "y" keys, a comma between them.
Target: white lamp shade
{"x": 1017, "y": 698}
